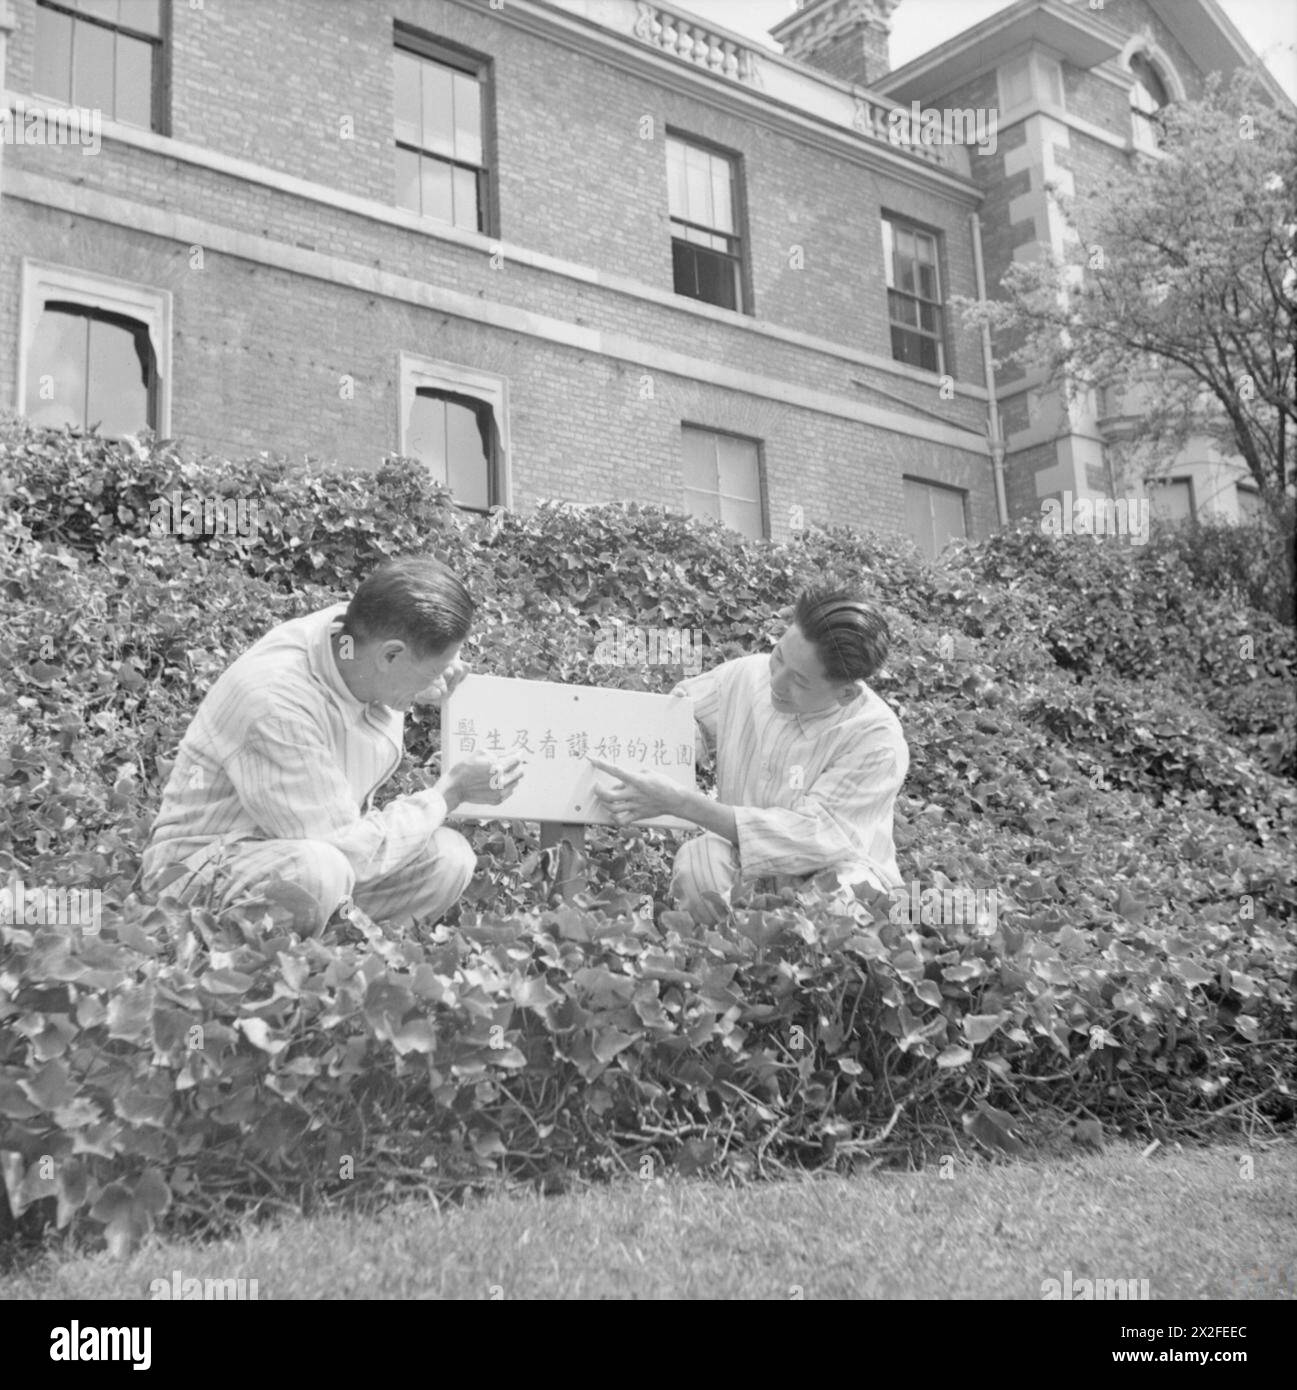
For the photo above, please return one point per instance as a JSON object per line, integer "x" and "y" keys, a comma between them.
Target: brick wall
{"x": 259, "y": 352}
{"x": 1020, "y": 470}
{"x": 860, "y": 56}
{"x": 259, "y": 364}
{"x": 271, "y": 80}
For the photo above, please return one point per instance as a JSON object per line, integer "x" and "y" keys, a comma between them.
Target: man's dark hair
{"x": 416, "y": 599}
{"x": 849, "y": 635}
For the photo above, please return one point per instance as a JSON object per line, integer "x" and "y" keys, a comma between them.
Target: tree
{"x": 1178, "y": 298}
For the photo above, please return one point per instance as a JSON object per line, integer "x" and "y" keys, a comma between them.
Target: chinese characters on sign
{"x": 632, "y": 751}
{"x": 556, "y": 727}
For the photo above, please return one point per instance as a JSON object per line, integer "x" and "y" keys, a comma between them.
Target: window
{"x": 1147, "y": 97}
{"x": 1171, "y": 499}
{"x": 440, "y": 140}
{"x": 722, "y": 475}
{"x": 94, "y": 352}
{"x": 105, "y": 55}
{"x": 934, "y": 515}
{"x": 454, "y": 420}
{"x": 1250, "y": 506}
{"x": 914, "y": 296}
{"x": 706, "y": 251}
{"x": 92, "y": 369}
{"x": 453, "y": 436}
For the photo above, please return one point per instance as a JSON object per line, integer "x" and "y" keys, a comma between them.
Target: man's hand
{"x": 443, "y": 686}
{"x": 483, "y": 778}
{"x": 640, "y": 795}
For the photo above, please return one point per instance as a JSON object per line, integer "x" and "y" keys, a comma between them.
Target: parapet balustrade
{"x": 696, "y": 43}
{"x": 726, "y": 56}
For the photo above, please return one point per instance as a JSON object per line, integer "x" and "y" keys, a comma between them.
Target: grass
{"x": 1185, "y": 1220}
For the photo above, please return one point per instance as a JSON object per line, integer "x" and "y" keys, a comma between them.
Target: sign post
{"x": 556, "y": 727}
{"x": 569, "y": 843}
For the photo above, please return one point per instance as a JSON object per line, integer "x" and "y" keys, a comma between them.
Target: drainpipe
{"x": 992, "y": 409}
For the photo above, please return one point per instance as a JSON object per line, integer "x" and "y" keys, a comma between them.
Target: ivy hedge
{"x": 1106, "y": 743}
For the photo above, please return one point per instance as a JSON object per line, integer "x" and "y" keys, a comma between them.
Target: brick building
{"x": 585, "y": 249}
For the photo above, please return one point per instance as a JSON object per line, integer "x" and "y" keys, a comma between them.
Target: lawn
{"x": 1186, "y": 1220}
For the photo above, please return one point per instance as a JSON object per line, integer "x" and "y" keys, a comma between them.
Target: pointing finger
{"x": 628, "y": 777}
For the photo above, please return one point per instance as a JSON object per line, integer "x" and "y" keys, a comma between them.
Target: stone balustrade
{"x": 724, "y": 55}
{"x": 696, "y": 43}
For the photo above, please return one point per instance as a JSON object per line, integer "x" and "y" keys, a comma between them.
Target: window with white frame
{"x": 94, "y": 352}
{"x": 455, "y": 421}
{"x": 914, "y": 308}
{"x": 441, "y": 102}
{"x": 934, "y": 515}
{"x": 102, "y": 54}
{"x": 722, "y": 476}
{"x": 706, "y": 248}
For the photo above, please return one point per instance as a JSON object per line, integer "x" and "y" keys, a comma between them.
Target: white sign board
{"x": 555, "y": 727}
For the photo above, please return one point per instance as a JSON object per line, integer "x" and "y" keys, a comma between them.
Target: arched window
{"x": 454, "y": 436}
{"x": 88, "y": 367}
{"x": 1148, "y": 96}
{"x": 455, "y": 421}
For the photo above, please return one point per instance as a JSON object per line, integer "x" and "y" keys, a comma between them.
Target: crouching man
{"x": 808, "y": 758}
{"x": 272, "y": 792}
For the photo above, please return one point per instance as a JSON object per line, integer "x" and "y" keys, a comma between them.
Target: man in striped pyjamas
{"x": 272, "y": 791}
{"x": 809, "y": 761}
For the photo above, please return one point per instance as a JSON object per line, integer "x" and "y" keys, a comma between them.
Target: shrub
{"x": 178, "y": 1060}
{"x": 1090, "y": 740}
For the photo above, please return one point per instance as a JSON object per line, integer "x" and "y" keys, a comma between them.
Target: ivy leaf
{"x": 130, "y": 1014}
{"x": 77, "y": 1114}
{"x": 426, "y": 983}
{"x": 295, "y": 972}
{"x": 416, "y": 1036}
{"x": 608, "y": 1042}
{"x": 14, "y": 1104}
{"x": 954, "y": 1056}
{"x": 929, "y": 992}
{"x": 386, "y": 1004}
{"x": 257, "y": 1031}
{"x": 979, "y": 1027}
{"x": 1130, "y": 907}
{"x": 536, "y": 994}
{"x": 50, "y": 1088}
{"x": 225, "y": 982}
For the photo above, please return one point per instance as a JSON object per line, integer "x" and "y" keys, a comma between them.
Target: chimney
{"x": 845, "y": 38}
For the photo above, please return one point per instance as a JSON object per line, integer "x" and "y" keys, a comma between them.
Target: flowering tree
{"x": 1178, "y": 298}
